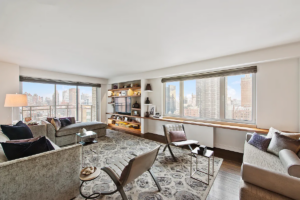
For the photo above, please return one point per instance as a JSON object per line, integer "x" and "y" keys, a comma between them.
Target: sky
{"x": 47, "y": 90}
{"x": 233, "y": 87}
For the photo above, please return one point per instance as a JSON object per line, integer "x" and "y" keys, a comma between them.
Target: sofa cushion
{"x": 24, "y": 149}
{"x": 18, "y": 131}
{"x": 65, "y": 122}
{"x": 262, "y": 159}
{"x": 74, "y": 128}
{"x": 272, "y": 131}
{"x": 280, "y": 142}
{"x": 56, "y": 123}
{"x": 259, "y": 141}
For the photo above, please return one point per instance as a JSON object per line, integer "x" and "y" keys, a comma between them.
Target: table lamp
{"x": 15, "y": 100}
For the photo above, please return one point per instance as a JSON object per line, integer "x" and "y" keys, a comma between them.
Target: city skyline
{"x": 201, "y": 98}
{"x": 62, "y": 103}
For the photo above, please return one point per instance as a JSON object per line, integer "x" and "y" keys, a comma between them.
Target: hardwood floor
{"x": 226, "y": 185}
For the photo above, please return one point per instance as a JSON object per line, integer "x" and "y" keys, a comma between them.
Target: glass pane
{"x": 87, "y": 103}
{"x": 172, "y": 98}
{"x": 66, "y": 101}
{"x": 239, "y": 97}
{"x": 191, "y": 107}
{"x": 40, "y": 100}
{"x": 202, "y": 98}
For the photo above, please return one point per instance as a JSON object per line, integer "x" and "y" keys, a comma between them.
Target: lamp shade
{"x": 15, "y": 100}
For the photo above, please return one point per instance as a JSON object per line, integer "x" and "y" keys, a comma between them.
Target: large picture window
{"x": 227, "y": 98}
{"x": 56, "y": 100}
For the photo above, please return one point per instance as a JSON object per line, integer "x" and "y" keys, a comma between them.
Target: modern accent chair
{"x": 170, "y": 141}
{"x": 136, "y": 167}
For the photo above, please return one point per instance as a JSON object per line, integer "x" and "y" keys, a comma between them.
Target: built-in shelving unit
{"x": 126, "y": 89}
{"x": 125, "y": 96}
{"x": 132, "y": 130}
{"x": 122, "y": 89}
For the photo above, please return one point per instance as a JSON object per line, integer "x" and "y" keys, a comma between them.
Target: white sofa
{"x": 51, "y": 175}
{"x": 266, "y": 176}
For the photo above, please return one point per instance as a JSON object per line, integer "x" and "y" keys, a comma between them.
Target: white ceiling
{"x": 107, "y": 38}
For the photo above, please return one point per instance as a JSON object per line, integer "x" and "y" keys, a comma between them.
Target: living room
{"x": 202, "y": 95}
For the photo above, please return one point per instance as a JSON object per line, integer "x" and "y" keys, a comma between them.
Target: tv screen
{"x": 123, "y": 105}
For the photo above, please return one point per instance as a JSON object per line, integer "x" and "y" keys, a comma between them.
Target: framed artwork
{"x": 152, "y": 110}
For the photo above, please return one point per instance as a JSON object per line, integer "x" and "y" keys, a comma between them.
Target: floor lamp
{"x": 15, "y": 100}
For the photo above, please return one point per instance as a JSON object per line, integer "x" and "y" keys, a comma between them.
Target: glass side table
{"x": 86, "y": 137}
{"x": 210, "y": 156}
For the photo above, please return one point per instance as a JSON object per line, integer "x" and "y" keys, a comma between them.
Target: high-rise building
{"x": 65, "y": 96}
{"x": 208, "y": 97}
{"x": 55, "y": 99}
{"x": 171, "y": 99}
{"x": 246, "y": 90}
{"x": 72, "y": 96}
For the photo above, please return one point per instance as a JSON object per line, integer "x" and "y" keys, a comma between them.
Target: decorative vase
{"x": 147, "y": 101}
{"x": 148, "y": 87}
{"x": 136, "y": 105}
{"x": 147, "y": 114}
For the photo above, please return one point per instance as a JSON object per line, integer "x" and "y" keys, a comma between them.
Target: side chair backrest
{"x": 172, "y": 127}
{"x": 138, "y": 165}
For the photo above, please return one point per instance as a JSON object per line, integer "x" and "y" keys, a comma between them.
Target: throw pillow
{"x": 56, "y": 123}
{"x": 49, "y": 119}
{"x": 17, "y": 132}
{"x": 177, "y": 136}
{"x": 25, "y": 140}
{"x": 272, "y": 130}
{"x": 23, "y": 149}
{"x": 279, "y": 142}
{"x": 64, "y": 122}
{"x": 259, "y": 141}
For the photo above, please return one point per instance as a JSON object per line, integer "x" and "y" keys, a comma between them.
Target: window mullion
{"x": 55, "y": 95}
{"x": 77, "y": 103}
{"x": 222, "y": 98}
{"x": 181, "y": 99}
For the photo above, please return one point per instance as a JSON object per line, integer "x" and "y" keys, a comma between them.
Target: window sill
{"x": 215, "y": 125}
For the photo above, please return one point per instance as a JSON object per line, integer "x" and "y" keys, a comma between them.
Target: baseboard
{"x": 230, "y": 148}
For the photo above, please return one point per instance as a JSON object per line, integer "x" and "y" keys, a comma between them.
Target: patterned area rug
{"x": 174, "y": 177}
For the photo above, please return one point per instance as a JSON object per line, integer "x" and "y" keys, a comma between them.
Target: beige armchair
{"x": 136, "y": 167}
{"x": 176, "y": 127}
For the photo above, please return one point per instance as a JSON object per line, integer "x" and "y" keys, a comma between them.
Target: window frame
{"x": 222, "y": 118}
{"x": 55, "y": 103}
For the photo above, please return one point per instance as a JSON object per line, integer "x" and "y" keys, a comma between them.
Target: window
{"x": 87, "y": 103}
{"x": 228, "y": 98}
{"x": 172, "y": 98}
{"x": 66, "y": 101}
{"x": 238, "y": 97}
{"x": 49, "y": 100}
{"x": 40, "y": 103}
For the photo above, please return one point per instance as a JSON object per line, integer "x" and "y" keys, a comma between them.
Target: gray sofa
{"x": 67, "y": 134}
{"x": 266, "y": 176}
{"x": 51, "y": 175}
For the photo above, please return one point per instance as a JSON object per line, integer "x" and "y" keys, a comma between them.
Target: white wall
{"x": 278, "y": 95}
{"x": 9, "y": 84}
{"x": 248, "y": 58}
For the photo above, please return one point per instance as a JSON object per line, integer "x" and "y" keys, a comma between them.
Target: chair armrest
{"x": 38, "y": 130}
{"x": 248, "y": 136}
{"x": 50, "y": 130}
{"x": 290, "y": 162}
{"x": 276, "y": 182}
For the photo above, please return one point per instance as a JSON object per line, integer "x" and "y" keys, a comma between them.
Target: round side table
{"x": 87, "y": 178}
